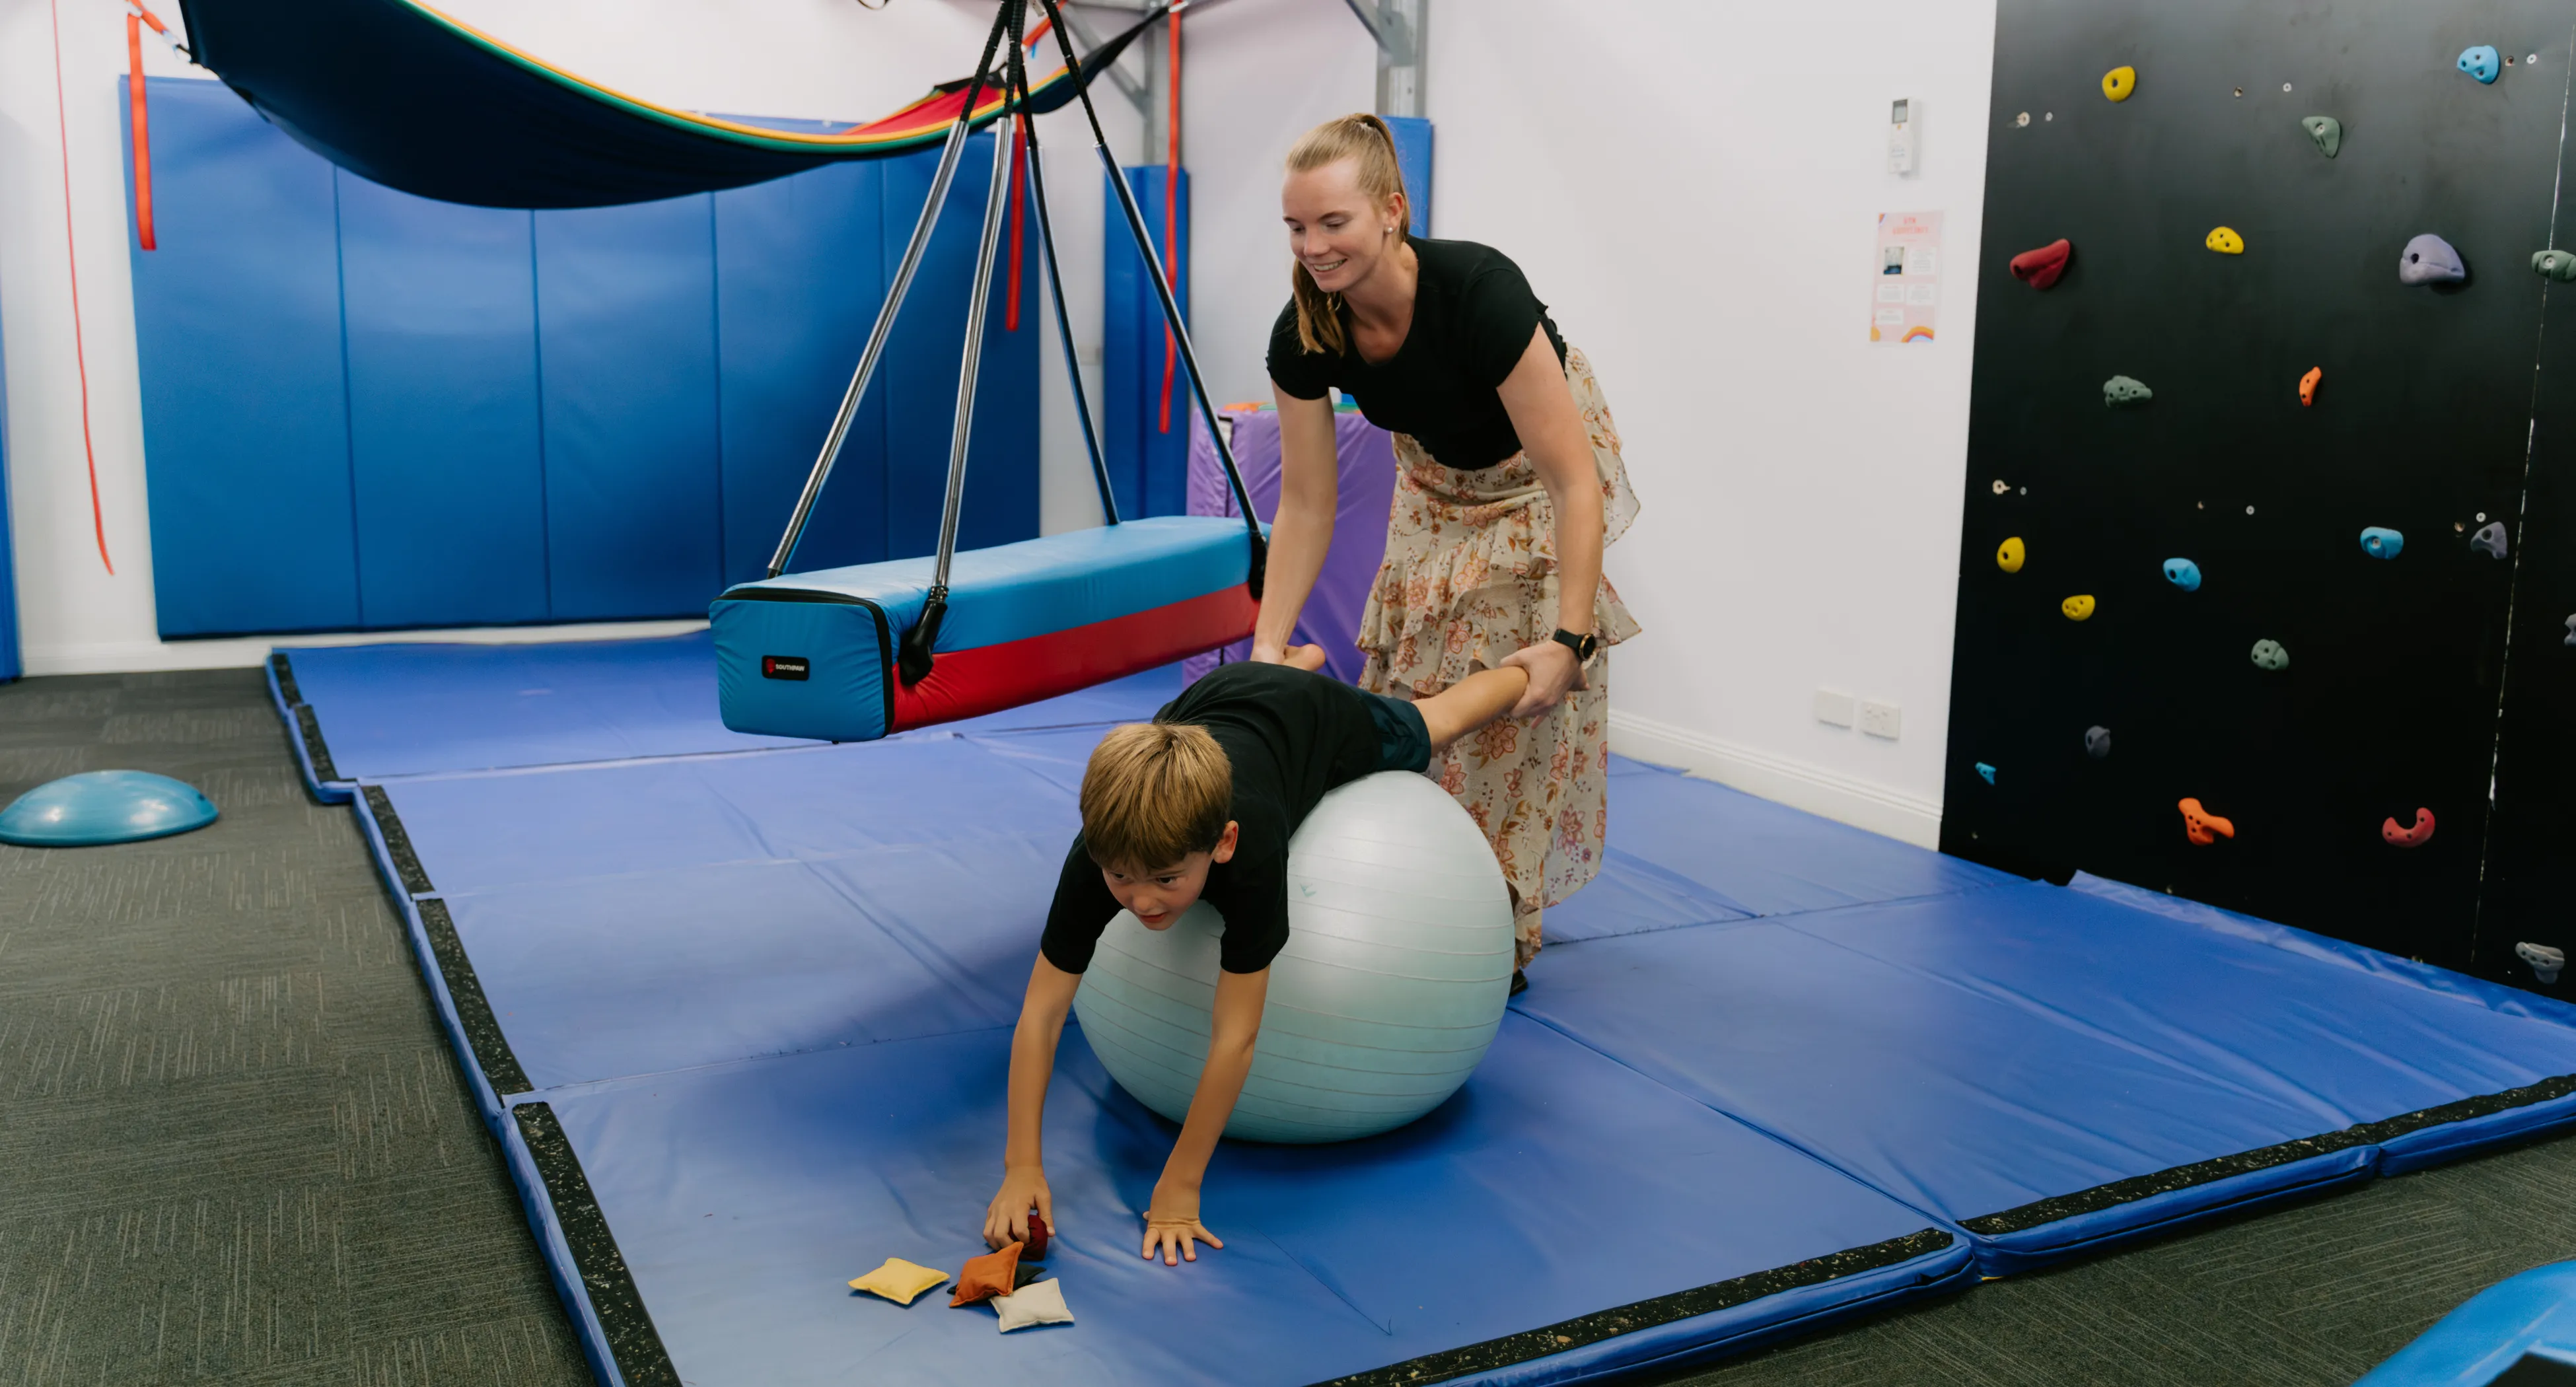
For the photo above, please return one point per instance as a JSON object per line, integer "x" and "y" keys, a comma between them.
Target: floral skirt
{"x": 1469, "y": 577}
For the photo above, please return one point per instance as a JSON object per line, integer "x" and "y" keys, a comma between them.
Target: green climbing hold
{"x": 2123, "y": 390}
{"x": 2271, "y": 655}
{"x": 2555, "y": 264}
{"x": 2326, "y": 131}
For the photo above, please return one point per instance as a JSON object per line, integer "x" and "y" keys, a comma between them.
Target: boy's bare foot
{"x": 1309, "y": 658}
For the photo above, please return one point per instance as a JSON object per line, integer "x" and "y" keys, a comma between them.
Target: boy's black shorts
{"x": 1403, "y": 739}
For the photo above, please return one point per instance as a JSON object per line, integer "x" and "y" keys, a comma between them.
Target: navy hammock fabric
{"x": 401, "y": 94}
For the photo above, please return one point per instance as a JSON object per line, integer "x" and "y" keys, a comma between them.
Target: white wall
{"x": 822, "y": 59}
{"x": 1694, "y": 191}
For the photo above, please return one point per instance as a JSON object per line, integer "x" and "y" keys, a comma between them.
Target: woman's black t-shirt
{"x": 1472, "y": 316}
{"x": 1288, "y": 736}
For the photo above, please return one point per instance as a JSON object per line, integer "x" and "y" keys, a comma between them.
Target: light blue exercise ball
{"x": 96, "y": 807}
{"x": 1391, "y": 986}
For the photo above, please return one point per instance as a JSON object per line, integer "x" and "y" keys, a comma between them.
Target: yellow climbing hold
{"x": 2008, "y": 555}
{"x": 2119, "y": 82}
{"x": 2225, "y": 241}
{"x": 2077, "y": 608}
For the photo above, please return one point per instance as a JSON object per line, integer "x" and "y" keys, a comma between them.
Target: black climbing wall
{"x": 2422, "y": 425}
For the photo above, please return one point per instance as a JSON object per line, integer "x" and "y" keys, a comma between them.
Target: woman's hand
{"x": 1553, "y": 672}
{"x": 1006, "y": 1219}
{"x": 1172, "y": 1224}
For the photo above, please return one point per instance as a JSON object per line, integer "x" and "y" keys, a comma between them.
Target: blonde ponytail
{"x": 1365, "y": 140}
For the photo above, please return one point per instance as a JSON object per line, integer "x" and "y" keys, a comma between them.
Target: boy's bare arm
{"x": 1470, "y": 703}
{"x": 1172, "y": 1223}
{"x": 1050, "y": 997}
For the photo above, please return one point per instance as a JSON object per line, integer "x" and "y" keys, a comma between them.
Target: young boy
{"x": 1198, "y": 805}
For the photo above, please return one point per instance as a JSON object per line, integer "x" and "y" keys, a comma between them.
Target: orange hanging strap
{"x": 1172, "y": 204}
{"x": 1019, "y": 191}
{"x": 142, "y": 127}
{"x": 71, "y": 261}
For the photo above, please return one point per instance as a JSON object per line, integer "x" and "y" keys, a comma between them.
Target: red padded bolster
{"x": 990, "y": 678}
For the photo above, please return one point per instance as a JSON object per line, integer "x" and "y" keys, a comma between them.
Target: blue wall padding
{"x": 1413, "y": 158}
{"x": 237, "y": 333}
{"x": 796, "y": 296}
{"x": 1338, "y": 1259}
{"x": 626, "y": 313}
{"x": 1999, "y": 1047}
{"x": 443, "y": 409}
{"x": 1148, "y": 467}
{"x": 1001, "y": 502}
{"x": 2533, "y": 1313}
{"x": 367, "y": 410}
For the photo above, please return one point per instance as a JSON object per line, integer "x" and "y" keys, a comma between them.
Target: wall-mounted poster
{"x": 1905, "y": 286}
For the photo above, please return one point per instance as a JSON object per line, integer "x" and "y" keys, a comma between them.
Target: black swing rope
{"x": 914, "y": 659}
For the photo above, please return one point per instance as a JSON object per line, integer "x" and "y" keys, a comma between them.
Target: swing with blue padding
{"x": 852, "y": 654}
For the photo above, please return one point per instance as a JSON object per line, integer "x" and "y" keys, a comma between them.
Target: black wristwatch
{"x": 1582, "y": 645}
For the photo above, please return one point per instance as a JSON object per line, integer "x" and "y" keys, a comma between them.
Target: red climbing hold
{"x": 2415, "y": 837}
{"x": 2203, "y": 827}
{"x": 2040, "y": 268}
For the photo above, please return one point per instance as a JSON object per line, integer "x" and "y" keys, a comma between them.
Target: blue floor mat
{"x": 2050, "y": 1070}
{"x": 1560, "y": 1219}
{"x": 2529, "y": 1316}
{"x": 376, "y": 712}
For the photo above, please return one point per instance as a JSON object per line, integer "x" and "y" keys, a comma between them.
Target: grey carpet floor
{"x": 235, "y": 1149}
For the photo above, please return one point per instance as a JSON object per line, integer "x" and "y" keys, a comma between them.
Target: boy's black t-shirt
{"x": 1290, "y": 737}
{"x": 1473, "y": 312}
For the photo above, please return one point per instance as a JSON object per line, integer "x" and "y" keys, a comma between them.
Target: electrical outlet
{"x": 1880, "y": 719}
{"x": 1833, "y": 708}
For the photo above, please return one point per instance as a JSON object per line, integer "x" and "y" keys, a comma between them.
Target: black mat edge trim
{"x": 482, "y": 1029}
{"x": 316, "y": 750}
{"x": 279, "y": 666}
{"x": 632, "y": 1341}
{"x": 1645, "y": 1314}
{"x": 2182, "y": 1177}
{"x": 389, "y": 827}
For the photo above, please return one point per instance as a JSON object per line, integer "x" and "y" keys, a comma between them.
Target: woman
{"x": 1509, "y": 484}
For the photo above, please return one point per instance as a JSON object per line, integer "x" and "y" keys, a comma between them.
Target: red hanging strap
{"x": 1172, "y": 204}
{"x": 1019, "y": 191}
{"x": 142, "y": 128}
{"x": 71, "y": 256}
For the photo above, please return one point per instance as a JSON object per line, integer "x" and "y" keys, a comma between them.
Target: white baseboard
{"x": 134, "y": 657}
{"x": 1860, "y": 803}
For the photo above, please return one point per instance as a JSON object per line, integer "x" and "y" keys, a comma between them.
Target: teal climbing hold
{"x": 2271, "y": 655}
{"x": 2380, "y": 542}
{"x": 96, "y": 807}
{"x": 2326, "y": 131}
{"x": 2183, "y": 573}
{"x": 2124, "y": 390}
{"x": 1985, "y": 772}
{"x": 2480, "y": 61}
{"x": 2555, "y": 264}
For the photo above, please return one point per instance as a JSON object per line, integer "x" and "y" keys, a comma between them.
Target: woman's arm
{"x": 1173, "y": 1222}
{"x": 1551, "y": 429}
{"x": 1006, "y": 1219}
{"x": 1302, "y": 531}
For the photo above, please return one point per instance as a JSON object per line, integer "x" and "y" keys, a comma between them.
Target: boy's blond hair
{"x": 1155, "y": 792}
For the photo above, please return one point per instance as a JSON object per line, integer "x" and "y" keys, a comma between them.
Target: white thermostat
{"x": 1900, "y": 137}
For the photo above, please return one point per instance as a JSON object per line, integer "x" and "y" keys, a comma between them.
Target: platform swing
{"x": 852, "y": 654}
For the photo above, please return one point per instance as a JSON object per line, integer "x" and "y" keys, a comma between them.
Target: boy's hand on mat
{"x": 1172, "y": 1226}
{"x": 1553, "y": 672}
{"x": 1006, "y": 1219}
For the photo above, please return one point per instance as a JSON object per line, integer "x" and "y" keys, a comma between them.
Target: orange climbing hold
{"x": 2415, "y": 837}
{"x": 2203, "y": 827}
{"x": 2308, "y": 386}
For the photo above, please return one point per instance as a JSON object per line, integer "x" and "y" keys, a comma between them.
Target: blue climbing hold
{"x": 96, "y": 807}
{"x": 2379, "y": 542}
{"x": 1985, "y": 772}
{"x": 2481, "y": 62}
{"x": 2183, "y": 573}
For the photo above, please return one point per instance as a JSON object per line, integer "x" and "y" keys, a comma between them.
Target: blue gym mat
{"x": 376, "y": 712}
{"x": 2526, "y": 1322}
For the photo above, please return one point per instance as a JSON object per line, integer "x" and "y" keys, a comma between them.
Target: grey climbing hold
{"x": 2271, "y": 655}
{"x": 1985, "y": 772}
{"x": 2097, "y": 742}
{"x": 2480, "y": 61}
{"x": 2124, "y": 390}
{"x": 2326, "y": 131}
{"x": 2544, "y": 960}
{"x": 2555, "y": 264}
{"x": 2380, "y": 542}
{"x": 2489, "y": 540}
{"x": 2430, "y": 260}
{"x": 2571, "y": 630}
